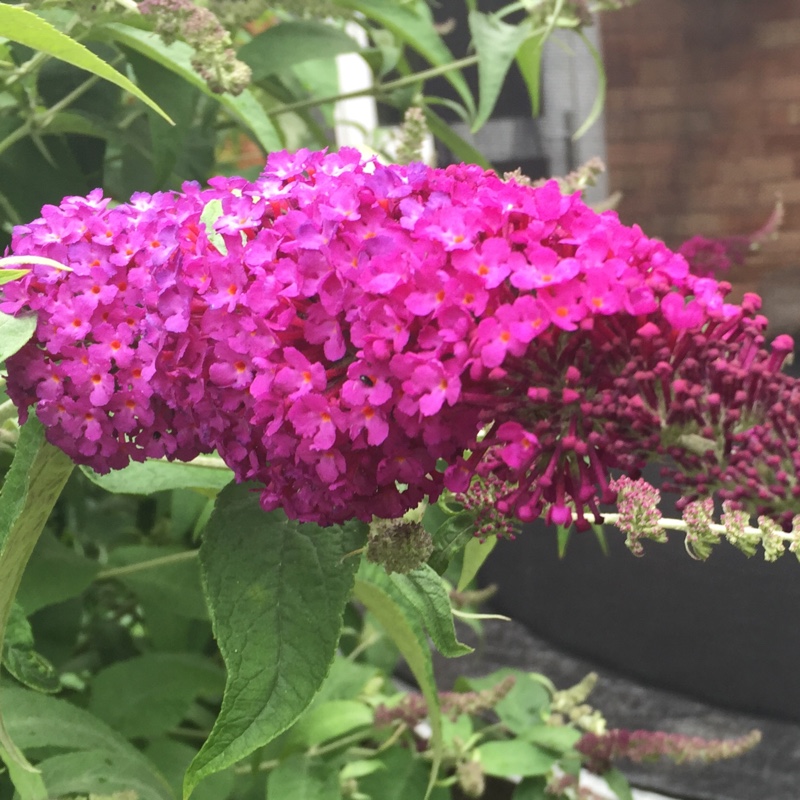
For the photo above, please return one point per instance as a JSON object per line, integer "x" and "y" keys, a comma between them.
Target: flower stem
{"x": 153, "y": 563}
{"x": 680, "y": 525}
{"x": 381, "y": 88}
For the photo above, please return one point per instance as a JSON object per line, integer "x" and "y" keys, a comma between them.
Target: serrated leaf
{"x": 424, "y": 591}
{"x": 103, "y": 771}
{"x": 618, "y": 784}
{"x": 28, "y": 29}
{"x": 244, "y": 108}
{"x": 496, "y": 43}
{"x": 276, "y": 591}
{"x": 406, "y": 632}
{"x": 475, "y": 554}
{"x": 292, "y": 42}
{"x": 514, "y": 757}
{"x": 32, "y": 486}
{"x": 413, "y": 23}
{"x": 15, "y": 332}
{"x": 149, "y": 695}
{"x": 154, "y": 475}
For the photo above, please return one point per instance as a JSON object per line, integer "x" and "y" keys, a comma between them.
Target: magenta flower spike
{"x": 339, "y": 328}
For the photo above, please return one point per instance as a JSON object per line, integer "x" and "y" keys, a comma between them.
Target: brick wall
{"x": 703, "y": 121}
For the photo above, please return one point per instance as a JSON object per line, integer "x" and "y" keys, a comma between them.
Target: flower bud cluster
{"x": 214, "y": 59}
{"x": 338, "y": 329}
{"x": 600, "y": 750}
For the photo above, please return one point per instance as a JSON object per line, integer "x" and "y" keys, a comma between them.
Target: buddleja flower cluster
{"x": 356, "y": 336}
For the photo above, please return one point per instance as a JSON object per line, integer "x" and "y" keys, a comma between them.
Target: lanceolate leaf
{"x": 424, "y": 590}
{"x": 244, "y": 108}
{"x": 276, "y": 591}
{"x": 402, "y": 623}
{"x": 14, "y": 333}
{"x": 24, "y": 27}
{"x": 496, "y": 43}
{"x": 34, "y": 483}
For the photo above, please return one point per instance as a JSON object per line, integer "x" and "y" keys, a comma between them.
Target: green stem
{"x": 680, "y": 525}
{"x": 382, "y": 88}
{"x": 153, "y": 563}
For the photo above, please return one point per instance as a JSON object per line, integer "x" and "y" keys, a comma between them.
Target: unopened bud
{"x": 470, "y": 778}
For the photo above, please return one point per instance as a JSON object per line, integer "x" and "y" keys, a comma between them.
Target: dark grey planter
{"x": 725, "y": 631}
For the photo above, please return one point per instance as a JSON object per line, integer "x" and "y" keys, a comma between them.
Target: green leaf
{"x": 276, "y": 591}
{"x": 406, "y": 632}
{"x": 8, "y": 275}
{"x": 461, "y": 149}
{"x": 424, "y": 590}
{"x": 328, "y": 721}
{"x": 21, "y": 660}
{"x": 149, "y": 695}
{"x": 172, "y": 758}
{"x": 205, "y": 472}
{"x": 529, "y": 61}
{"x": 170, "y": 90}
{"x": 559, "y": 738}
{"x": 32, "y": 31}
{"x": 292, "y": 42}
{"x": 563, "y": 533}
{"x": 244, "y": 108}
{"x": 514, "y": 757}
{"x": 618, "y": 784}
{"x": 496, "y": 43}
{"x": 522, "y": 707}
{"x": 450, "y": 537}
{"x": 404, "y": 778}
{"x": 413, "y": 23}
{"x": 531, "y": 789}
{"x": 299, "y": 777}
{"x": 32, "y": 486}
{"x": 15, "y": 332}
{"x": 600, "y": 96}
{"x": 171, "y": 585}
{"x": 475, "y": 554}
{"x": 37, "y": 721}
{"x": 54, "y": 573}
{"x": 90, "y": 771}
